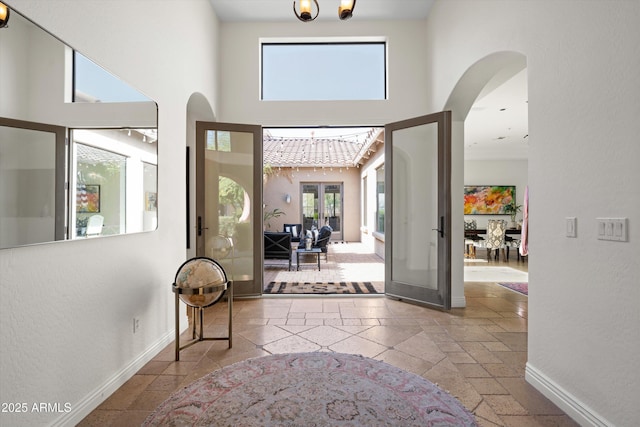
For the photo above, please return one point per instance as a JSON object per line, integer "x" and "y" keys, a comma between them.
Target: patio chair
{"x": 295, "y": 230}
{"x": 277, "y": 246}
{"x": 324, "y": 236}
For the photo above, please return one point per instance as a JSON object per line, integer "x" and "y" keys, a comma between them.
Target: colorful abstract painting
{"x": 88, "y": 198}
{"x": 487, "y": 199}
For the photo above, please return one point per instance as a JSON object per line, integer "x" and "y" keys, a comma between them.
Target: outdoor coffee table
{"x": 314, "y": 251}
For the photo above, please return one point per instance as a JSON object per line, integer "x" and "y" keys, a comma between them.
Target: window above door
{"x": 323, "y": 70}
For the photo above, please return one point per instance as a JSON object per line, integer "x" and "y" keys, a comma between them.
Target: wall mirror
{"x": 78, "y": 146}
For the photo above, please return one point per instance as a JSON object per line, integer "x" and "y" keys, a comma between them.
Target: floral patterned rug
{"x": 311, "y": 389}
{"x": 520, "y": 287}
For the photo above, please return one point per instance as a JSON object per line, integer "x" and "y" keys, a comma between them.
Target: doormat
{"x": 320, "y": 288}
{"x": 519, "y": 287}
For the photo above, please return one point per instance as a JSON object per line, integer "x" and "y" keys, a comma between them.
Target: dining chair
{"x": 496, "y": 231}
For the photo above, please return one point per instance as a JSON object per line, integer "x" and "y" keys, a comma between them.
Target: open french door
{"x": 228, "y": 201}
{"x": 418, "y": 210}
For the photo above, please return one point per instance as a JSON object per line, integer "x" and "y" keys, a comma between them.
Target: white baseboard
{"x": 458, "y": 302}
{"x": 85, "y": 406}
{"x": 573, "y": 407}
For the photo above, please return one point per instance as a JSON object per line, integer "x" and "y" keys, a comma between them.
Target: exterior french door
{"x": 418, "y": 206}
{"x": 322, "y": 205}
{"x": 229, "y": 201}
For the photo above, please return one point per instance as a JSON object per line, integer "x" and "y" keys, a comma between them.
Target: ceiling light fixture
{"x": 4, "y": 15}
{"x": 305, "y": 10}
{"x": 345, "y": 10}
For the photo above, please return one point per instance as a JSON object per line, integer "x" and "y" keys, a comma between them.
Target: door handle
{"x": 441, "y": 229}
{"x": 200, "y": 227}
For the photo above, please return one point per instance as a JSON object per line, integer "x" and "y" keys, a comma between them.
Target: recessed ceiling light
{"x": 503, "y": 109}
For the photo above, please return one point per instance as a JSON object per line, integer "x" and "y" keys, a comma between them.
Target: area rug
{"x": 320, "y": 288}
{"x": 479, "y": 273}
{"x": 476, "y": 260}
{"x": 519, "y": 287}
{"x": 311, "y": 389}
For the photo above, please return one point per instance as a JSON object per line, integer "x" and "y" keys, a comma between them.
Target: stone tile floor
{"x": 478, "y": 353}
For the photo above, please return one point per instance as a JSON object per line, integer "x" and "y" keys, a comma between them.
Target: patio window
{"x": 380, "y": 199}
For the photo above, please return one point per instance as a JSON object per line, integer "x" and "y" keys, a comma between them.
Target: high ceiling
{"x": 282, "y": 10}
{"x": 497, "y": 125}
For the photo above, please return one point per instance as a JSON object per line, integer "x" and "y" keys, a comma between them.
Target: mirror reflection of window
{"x": 27, "y": 186}
{"x": 115, "y": 172}
{"x": 100, "y": 177}
{"x": 92, "y": 83}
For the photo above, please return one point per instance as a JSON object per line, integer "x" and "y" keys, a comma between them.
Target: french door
{"x": 418, "y": 210}
{"x": 322, "y": 205}
{"x": 229, "y": 201}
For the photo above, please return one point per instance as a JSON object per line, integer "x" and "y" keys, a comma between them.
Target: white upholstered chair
{"x": 495, "y": 240}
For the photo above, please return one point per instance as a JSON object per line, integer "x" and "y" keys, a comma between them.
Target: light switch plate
{"x": 572, "y": 226}
{"x": 614, "y": 229}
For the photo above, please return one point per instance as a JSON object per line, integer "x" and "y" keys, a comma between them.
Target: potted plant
{"x": 81, "y": 226}
{"x": 268, "y": 215}
{"x": 512, "y": 209}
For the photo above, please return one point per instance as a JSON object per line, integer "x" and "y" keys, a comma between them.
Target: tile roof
{"x": 334, "y": 152}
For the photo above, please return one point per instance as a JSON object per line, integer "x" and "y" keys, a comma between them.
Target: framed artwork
{"x": 151, "y": 201}
{"x": 488, "y": 199}
{"x": 88, "y": 198}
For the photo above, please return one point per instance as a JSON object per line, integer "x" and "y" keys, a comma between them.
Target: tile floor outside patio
{"x": 346, "y": 262}
{"x": 478, "y": 353}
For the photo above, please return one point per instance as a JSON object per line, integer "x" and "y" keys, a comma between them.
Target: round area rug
{"x": 311, "y": 389}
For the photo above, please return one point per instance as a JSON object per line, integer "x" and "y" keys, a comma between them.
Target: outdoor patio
{"x": 346, "y": 262}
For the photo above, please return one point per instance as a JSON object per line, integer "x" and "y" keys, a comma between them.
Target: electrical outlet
{"x": 136, "y": 324}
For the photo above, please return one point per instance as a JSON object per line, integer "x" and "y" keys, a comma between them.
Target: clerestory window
{"x": 323, "y": 71}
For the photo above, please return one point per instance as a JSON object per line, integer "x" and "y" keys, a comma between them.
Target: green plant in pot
{"x": 512, "y": 209}
{"x": 267, "y": 216}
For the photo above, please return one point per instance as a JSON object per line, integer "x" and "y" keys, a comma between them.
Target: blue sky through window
{"x": 94, "y": 84}
{"x": 323, "y": 71}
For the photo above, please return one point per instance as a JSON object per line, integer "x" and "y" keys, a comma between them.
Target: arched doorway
{"x": 480, "y": 79}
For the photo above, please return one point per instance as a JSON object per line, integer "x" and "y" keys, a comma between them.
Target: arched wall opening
{"x": 481, "y": 77}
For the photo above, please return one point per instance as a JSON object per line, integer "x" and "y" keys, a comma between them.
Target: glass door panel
{"x": 228, "y": 200}
{"x": 322, "y": 205}
{"x": 310, "y": 205}
{"x": 417, "y": 220}
{"x": 333, "y": 208}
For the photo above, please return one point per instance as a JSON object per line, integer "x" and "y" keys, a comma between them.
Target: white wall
{"x": 290, "y": 182}
{"x": 583, "y": 130}
{"x": 241, "y": 77}
{"x": 66, "y": 309}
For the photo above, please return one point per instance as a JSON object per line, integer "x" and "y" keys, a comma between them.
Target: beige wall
{"x": 289, "y": 182}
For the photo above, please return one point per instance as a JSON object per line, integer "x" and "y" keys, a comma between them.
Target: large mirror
{"x": 78, "y": 146}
